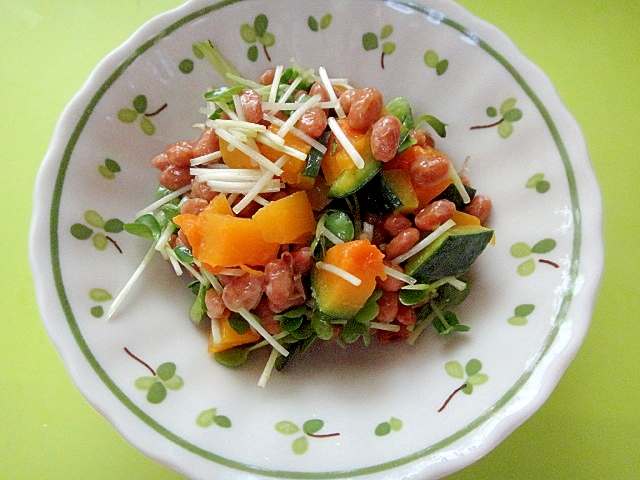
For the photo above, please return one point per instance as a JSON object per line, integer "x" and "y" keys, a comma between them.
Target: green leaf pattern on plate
{"x": 139, "y": 111}
{"x": 309, "y": 429}
{"x": 371, "y": 41}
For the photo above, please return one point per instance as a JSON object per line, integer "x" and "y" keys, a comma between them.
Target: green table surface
{"x": 589, "y": 427}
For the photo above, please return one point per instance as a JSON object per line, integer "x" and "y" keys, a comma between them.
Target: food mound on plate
{"x": 311, "y": 210}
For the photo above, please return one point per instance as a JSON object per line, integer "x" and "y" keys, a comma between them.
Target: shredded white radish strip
{"x": 292, "y": 152}
{"x": 295, "y": 116}
{"x": 277, "y": 139}
{"x": 352, "y": 279}
{"x": 216, "y": 334}
{"x": 132, "y": 280}
{"x": 248, "y": 128}
{"x": 248, "y": 316}
{"x": 297, "y": 132}
{"x": 209, "y": 157}
{"x": 251, "y": 153}
{"x": 247, "y": 174}
{"x": 261, "y": 201}
{"x": 232, "y": 272}
{"x": 331, "y": 236}
{"x": 346, "y": 144}
{"x": 173, "y": 259}
{"x": 257, "y": 187}
{"x": 426, "y": 241}
{"x": 238, "y": 106}
{"x": 276, "y": 83}
{"x": 225, "y": 108}
{"x": 385, "y": 326}
{"x": 275, "y": 106}
{"x": 210, "y": 277}
{"x": 273, "y": 186}
{"x": 367, "y": 231}
{"x": 399, "y": 275}
{"x": 332, "y": 94}
{"x": 287, "y": 93}
{"x": 457, "y": 181}
{"x": 268, "y": 368}
{"x": 264, "y": 343}
{"x": 232, "y": 198}
{"x": 166, "y": 199}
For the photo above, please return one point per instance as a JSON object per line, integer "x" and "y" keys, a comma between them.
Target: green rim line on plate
{"x": 127, "y": 402}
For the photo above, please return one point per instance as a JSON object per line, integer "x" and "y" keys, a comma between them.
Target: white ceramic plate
{"x": 333, "y": 414}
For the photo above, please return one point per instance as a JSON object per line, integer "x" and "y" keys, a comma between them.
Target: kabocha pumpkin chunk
{"x": 287, "y": 220}
{"x": 219, "y": 240}
{"x": 234, "y": 158}
{"x": 338, "y": 297}
{"x": 229, "y": 337}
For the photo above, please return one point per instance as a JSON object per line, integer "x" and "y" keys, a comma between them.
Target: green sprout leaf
{"x": 232, "y": 357}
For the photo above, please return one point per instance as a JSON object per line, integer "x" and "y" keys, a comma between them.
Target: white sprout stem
{"x": 385, "y": 326}
{"x": 264, "y": 343}
{"x": 216, "y": 334}
{"x": 340, "y": 272}
{"x": 346, "y": 143}
{"x": 166, "y": 199}
{"x": 425, "y": 242}
{"x": 457, "y": 181}
{"x": 248, "y": 316}
{"x": 399, "y": 275}
{"x": 132, "y": 280}
{"x": 244, "y": 81}
{"x": 165, "y": 236}
{"x": 417, "y": 331}
{"x": 173, "y": 259}
{"x": 268, "y": 368}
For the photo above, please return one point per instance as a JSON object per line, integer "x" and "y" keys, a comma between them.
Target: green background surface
{"x": 590, "y": 426}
